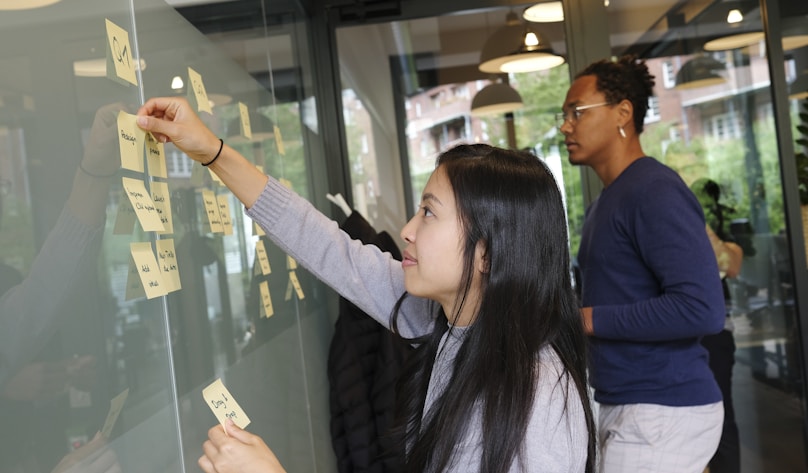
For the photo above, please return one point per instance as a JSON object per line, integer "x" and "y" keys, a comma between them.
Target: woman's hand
{"x": 237, "y": 451}
{"x": 172, "y": 119}
{"x": 101, "y": 155}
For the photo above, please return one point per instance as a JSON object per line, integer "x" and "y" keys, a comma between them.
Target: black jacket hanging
{"x": 364, "y": 362}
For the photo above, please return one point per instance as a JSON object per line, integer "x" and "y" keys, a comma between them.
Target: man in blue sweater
{"x": 650, "y": 284}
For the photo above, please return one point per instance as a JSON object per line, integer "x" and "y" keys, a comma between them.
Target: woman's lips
{"x": 408, "y": 260}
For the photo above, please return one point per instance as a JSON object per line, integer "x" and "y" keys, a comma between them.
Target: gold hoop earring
{"x": 621, "y": 131}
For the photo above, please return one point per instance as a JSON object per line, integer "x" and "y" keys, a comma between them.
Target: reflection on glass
{"x": 96, "y": 376}
{"x": 723, "y": 130}
{"x": 435, "y": 74}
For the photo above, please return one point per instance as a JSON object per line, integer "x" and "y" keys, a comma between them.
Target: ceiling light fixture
{"x": 549, "y": 12}
{"x": 701, "y": 71}
{"x": 98, "y": 67}
{"x": 494, "y": 99}
{"x": 734, "y": 41}
{"x": 734, "y": 16}
{"x": 742, "y": 40}
{"x": 25, "y": 4}
{"x": 177, "y": 83}
{"x": 517, "y": 47}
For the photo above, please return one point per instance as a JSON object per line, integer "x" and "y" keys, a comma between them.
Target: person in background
{"x": 721, "y": 346}
{"x": 498, "y": 379}
{"x": 649, "y": 285}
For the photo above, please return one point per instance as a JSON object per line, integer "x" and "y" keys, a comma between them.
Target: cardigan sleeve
{"x": 371, "y": 279}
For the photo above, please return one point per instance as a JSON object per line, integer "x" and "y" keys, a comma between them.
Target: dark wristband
{"x": 221, "y": 145}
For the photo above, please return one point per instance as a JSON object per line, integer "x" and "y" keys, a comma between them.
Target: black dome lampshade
{"x": 701, "y": 71}
{"x": 496, "y": 98}
{"x": 517, "y": 47}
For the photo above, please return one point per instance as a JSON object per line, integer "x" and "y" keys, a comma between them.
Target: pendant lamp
{"x": 546, "y": 12}
{"x": 517, "y": 47}
{"x": 701, "y": 71}
{"x": 25, "y": 4}
{"x": 496, "y": 99}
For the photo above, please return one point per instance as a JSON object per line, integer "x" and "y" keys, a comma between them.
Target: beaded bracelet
{"x": 221, "y": 145}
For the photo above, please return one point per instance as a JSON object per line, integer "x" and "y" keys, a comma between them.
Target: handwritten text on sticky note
{"x": 223, "y": 405}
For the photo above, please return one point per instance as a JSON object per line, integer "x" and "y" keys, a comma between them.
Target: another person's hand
{"x": 728, "y": 255}
{"x": 171, "y": 119}
{"x": 237, "y": 451}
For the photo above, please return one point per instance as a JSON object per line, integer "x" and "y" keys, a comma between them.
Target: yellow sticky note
{"x": 197, "y": 87}
{"x": 291, "y": 263}
{"x": 244, "y": 112}
{"x": 115, "y": 408}
{"x": 119, "y": 54}
{"x": 143, "y": 204}
{"x": 215, "y": 177}
{"x": 289, "y": 289}
{"x": 296, "y": 285}
{"x": 266, "y": 300}
{"x": 167, "y": 259}
{"x": 223, "y": 405}
{"x": 148, "y": 269}
{"x": 263, "y": 259}
{"x": 224, "y": 212}
{"x": 134, "y": 288}
{"x": 155, "y": 157}
{"x": 212, "y": 211}
{"x": 130, "y": 139}
{"x": 162, "y": 202}
{"x": 125, "y": 218}
{"x": 279, "y": 140}
{"x": 257, "y": 230}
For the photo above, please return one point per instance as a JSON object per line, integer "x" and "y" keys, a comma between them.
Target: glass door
{"x": 712, "y": 120}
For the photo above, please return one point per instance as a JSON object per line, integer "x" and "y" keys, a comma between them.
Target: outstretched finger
{"x": 206, "y": 465}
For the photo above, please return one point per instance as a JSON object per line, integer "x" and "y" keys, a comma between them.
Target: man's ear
{"x": 626, "y": 110}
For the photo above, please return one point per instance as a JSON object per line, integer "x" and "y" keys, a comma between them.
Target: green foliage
{"x": 16, "y": 234}
{"x": 801, "y": 154}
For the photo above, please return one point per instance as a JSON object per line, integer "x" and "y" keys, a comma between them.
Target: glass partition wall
{"x": 131, "y": 280}
{"x": 90, "y": 346}
{"x": 403, "y": 110}
{"x": 712, "y": 119}
{"x": 722, "y": 128}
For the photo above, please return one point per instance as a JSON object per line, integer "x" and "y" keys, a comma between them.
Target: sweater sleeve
{"x": 667, "y": 228}
{"x": 371, "y": 279}
{"x": 29, "y": 311}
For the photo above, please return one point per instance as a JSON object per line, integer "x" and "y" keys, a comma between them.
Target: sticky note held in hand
{"x": 223, "y": 405}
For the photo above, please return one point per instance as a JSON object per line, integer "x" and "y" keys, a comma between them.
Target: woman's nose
{"x": 408, "y": 232}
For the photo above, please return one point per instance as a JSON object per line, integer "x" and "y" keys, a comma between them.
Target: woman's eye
{"x": 427, "y": 212}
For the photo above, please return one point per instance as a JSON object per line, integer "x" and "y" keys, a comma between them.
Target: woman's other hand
{"x": 237, "y": 451}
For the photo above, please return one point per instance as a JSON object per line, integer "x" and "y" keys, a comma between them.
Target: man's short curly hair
{"x": 624, "y": 78}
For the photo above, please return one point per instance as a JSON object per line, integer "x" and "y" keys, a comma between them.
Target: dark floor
{"x": 770, "y": 421}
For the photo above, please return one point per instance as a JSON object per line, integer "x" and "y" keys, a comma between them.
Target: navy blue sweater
{"x": 651, "y": 277}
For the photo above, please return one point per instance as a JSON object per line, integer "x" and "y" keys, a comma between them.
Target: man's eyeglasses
{"x": 574, "y": 114}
